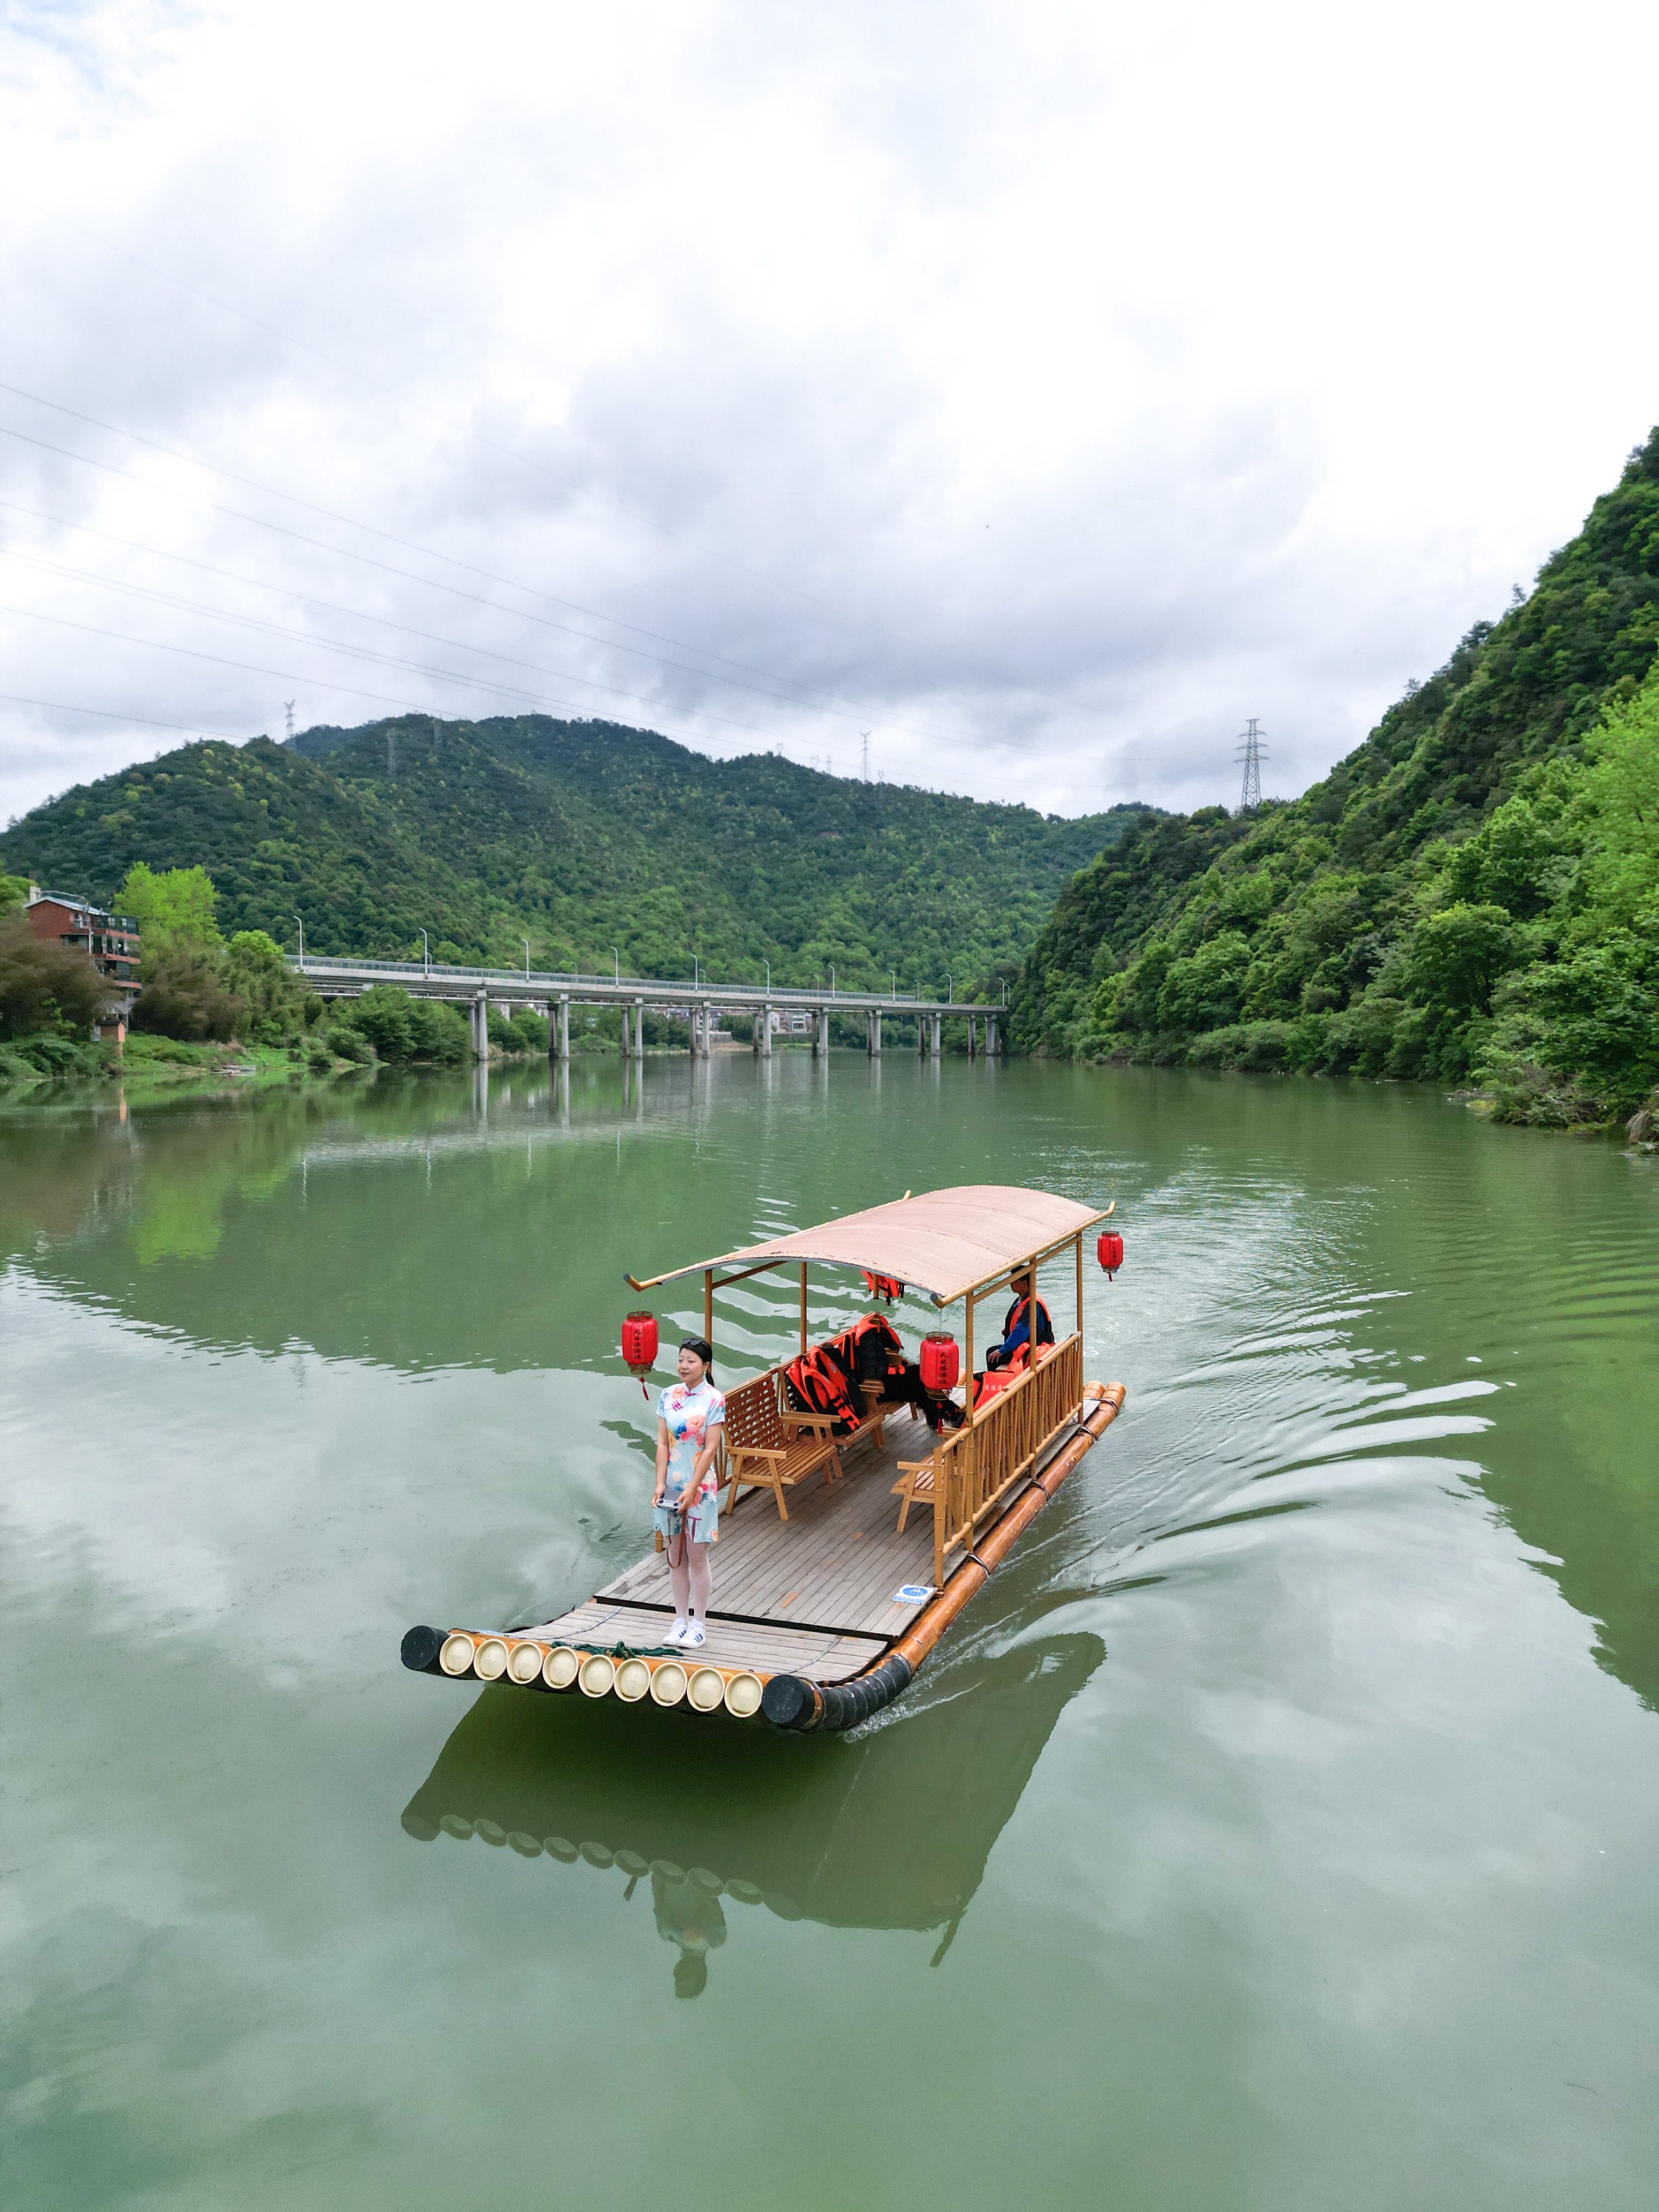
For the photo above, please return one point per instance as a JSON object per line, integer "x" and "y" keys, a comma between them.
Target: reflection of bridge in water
{"x": 697, "y": 1003}
{"x": 891, "y": 1831}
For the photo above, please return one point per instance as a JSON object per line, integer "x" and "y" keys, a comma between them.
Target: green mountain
{"x": 1472, "y": 895}
{"x": 581, "y": 836}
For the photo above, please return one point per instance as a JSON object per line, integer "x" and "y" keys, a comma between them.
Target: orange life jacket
{"x": 1016, "y": 1313}
{"x": 817, "y": 1385}
{"x": 874, "y": 1347}
{"x": 883, "y": 1286}
{"x": 995, "y": 1380}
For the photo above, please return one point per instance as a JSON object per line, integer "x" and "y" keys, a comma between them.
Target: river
{"x": 1278, "y": 1831}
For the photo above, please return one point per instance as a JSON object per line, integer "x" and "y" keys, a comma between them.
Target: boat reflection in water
{"x": 891, "y": 1830}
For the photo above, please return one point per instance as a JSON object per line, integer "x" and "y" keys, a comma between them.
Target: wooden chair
{"x": 914, "y": 1486}
{"x": 767, "y": 1449}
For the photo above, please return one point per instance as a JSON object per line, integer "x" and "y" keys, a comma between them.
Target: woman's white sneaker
{"x": 694, "y": 1633}
{"x": 676, "y": 1634}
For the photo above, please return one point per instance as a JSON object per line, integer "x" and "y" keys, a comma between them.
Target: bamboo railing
{"x": 981, "y": 1461}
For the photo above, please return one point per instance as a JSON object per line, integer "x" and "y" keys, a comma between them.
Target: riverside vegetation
{"x": 582, "y": 837}
{"x": 210, "y": 1007}
{"x": 1473, "y": 895}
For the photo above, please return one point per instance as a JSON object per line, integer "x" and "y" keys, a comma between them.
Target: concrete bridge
{"x": 698, "y": 1002}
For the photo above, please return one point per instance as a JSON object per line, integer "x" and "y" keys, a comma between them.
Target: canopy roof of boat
{"x": 944, "y": 1242}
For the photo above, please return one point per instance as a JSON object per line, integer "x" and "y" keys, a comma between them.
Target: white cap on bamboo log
{"x": 742, "y": 1695}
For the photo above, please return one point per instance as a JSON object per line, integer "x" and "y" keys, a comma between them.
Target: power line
{"x": 351, "y": 613}
{"x": 108, "y": 714}
{"x": 823, "y": 702}
{"x": 494, "y": 445}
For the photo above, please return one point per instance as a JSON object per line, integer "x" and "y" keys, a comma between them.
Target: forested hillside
{"x": 1472, "y": 895}
{"x": 580, "y": 836}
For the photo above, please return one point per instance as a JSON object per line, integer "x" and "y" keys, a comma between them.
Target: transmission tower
{"x": 866, "y": 755}
{"x": 1252, "y": 751}
{"x": 288, "y": 710}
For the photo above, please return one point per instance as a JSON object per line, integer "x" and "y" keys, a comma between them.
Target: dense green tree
{"x": 186, "y": 996}
{"x": 46, "y": 987}
{"x": 175, "y": 907}
{"x": 581, "y": 836}
{"x": 273, "y": 998}
{"x": 1472, "y": 894}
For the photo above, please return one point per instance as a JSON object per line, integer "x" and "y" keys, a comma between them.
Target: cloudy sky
{"x": 1042, "y": 389}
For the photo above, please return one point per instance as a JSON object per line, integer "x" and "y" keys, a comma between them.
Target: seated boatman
{"x": 1017, "y": 1323}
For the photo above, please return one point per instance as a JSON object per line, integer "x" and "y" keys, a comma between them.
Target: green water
{"x": 1278, "y": 1831}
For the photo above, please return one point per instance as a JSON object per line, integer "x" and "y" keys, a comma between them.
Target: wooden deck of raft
{"x": 812, "y": 1595}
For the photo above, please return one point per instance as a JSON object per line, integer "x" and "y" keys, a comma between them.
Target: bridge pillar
{"x": 766, "y": 1033}
{"x": 873, "y": 1018}
{"x": 639, "y": 1027}
{"x": 562, "y": 1029}
{"x": 935, "y": 1033}
{"x": 990, "y": 1037}
{"x": 820, "y": 1031}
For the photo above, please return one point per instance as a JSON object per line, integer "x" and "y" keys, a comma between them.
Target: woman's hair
{"x": 704, "y": 1349}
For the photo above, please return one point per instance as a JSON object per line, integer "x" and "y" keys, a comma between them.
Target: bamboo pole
{"x": 709, "y": 1305}
{"x": 967, "y": 1449}
{"x": 1079, "y": 1282}
{"x": 803, "y": 1308}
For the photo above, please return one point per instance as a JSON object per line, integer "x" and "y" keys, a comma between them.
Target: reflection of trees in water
{"x": 398, "y": 1167}
{"x": 889, "y": 1830}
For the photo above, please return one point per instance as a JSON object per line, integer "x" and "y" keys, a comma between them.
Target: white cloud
{"x": 1050, "y": 388}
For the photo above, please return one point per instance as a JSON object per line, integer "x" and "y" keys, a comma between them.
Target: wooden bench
{"x": 767, "y": 1449}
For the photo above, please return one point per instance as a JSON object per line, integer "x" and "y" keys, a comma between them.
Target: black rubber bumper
{"x": 788, "y": 1701}
{"x": 420, "y": 1649}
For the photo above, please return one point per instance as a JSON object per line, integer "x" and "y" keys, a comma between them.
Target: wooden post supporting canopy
{"x": 803, "y": 1308}
{"x": 969, "y": 1364}
{"x": 709, "y": 1305}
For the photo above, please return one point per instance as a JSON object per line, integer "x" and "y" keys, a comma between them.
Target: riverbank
{"x": 152, "y": 1064}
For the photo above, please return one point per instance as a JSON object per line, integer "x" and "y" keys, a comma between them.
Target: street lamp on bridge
{"x": 525, "y": 941}
{"x": 950, "y": 988}
{"x": 300, "y": 919}
{"x": 426, "y": 956}
{"x": 616, "y": 962}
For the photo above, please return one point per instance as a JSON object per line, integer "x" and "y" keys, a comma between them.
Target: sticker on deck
{"x": 912, "y": 1592}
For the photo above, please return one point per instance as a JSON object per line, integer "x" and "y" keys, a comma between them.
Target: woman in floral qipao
{"x": 685, "y": 1507}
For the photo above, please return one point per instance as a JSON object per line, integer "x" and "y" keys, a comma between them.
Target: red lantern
{"x": 941, "y": 1363}
{"x": 639, "y": 1345}
{"x": 1109, "y": 1250}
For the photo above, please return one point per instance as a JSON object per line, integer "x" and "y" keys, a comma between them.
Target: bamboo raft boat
{"x": 828, "y": 1601}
